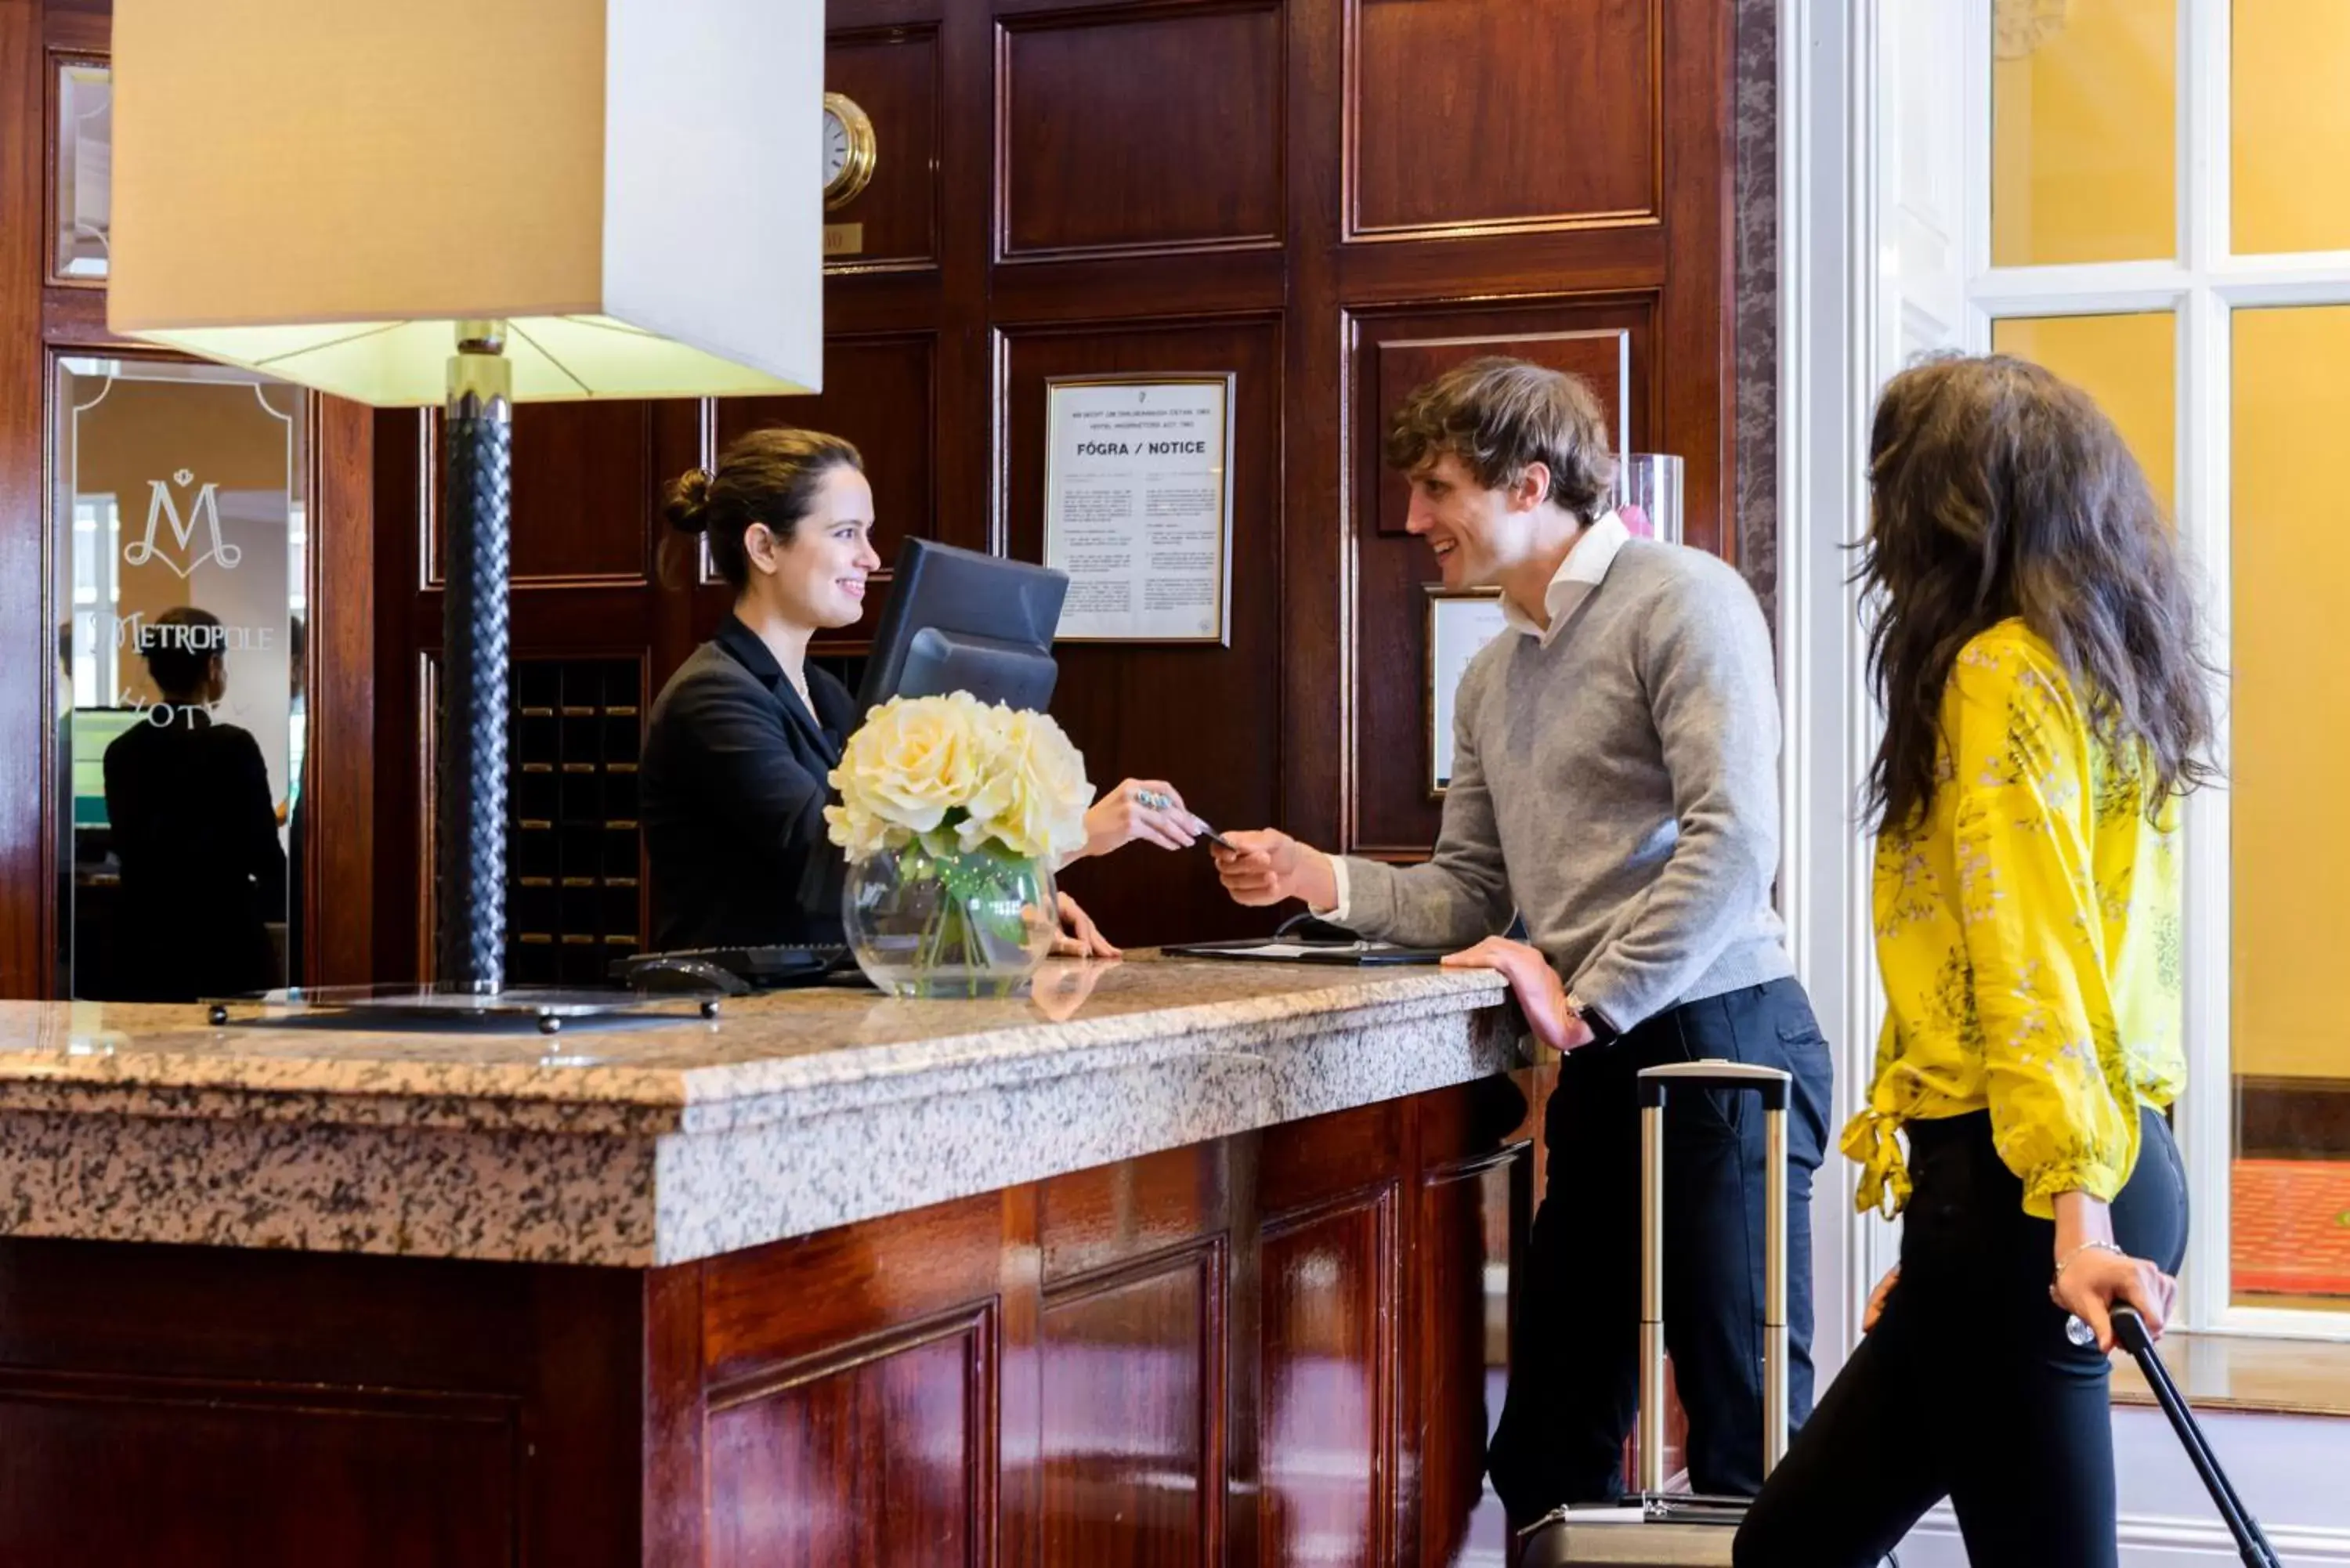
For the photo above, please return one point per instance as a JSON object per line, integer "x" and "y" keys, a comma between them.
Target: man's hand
{"x": 1542, "y": 995}
{"x": 1266, "y": 866}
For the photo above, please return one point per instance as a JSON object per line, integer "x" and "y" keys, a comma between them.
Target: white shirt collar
{"x": 1584, "y": 566}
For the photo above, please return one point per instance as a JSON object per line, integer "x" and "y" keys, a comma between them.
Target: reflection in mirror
{"x": 177, "y": 527}
{"x": 84, "y": 172}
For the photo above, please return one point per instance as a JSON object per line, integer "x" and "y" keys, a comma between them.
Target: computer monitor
{"x": 961, "y": 621}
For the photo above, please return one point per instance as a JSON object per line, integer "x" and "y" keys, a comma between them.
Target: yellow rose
{"x": 1032, "y": 802}
{"x": 859, "y": 833}
{"x": 913, "y": 761}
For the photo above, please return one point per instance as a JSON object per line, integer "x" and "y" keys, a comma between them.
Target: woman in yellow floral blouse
{"x": 2045, "y": 707}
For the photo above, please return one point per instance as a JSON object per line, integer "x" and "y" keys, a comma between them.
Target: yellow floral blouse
{"x": 2028, "y": 935}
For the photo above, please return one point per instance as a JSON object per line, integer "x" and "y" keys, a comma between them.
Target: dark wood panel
{"x": 1477, "y": 265}
{"x": 1504, "y": 112}
{"x": 338, "y": 806}
{"x": 1611, "y": 343}
{"x": 1197, "y": 715}
{"x": 875, "y": 14}
{"x": 880, "y": 393}
{"x": 383, "y": 1480}
{"x": 1329, "y": 1288}
{"x": 73, "y": 316}
{"x": 845, "y": 1283}
{"x": 1316, "y": 655}
{"x": 1696, "y": 337}
{"x": 1460, "y": 1276}
{"x": 883, "y": 1456}
{"x": 26, "y": 634}
{"x": 299, "y": 1408}
{"x": 84, "y": 24}
{"x": 1114, "y": 139}
{"x": 1094, "y": 1220}
{"x": 1405, "y": 357}
{"x": 1310, "y": 1163}
{"x": 2293, "y": 1118}
{"x": 674, "y": 1502}
{"x": 583, "y": 496}
{"x": 1110, "y": 288}
{"x": 402, "y": 439}
{"x": 893, "y": 76}
{"x": 1133, "y": 1397}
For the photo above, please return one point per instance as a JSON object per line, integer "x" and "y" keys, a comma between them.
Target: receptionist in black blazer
{"x": 732, "y": 781}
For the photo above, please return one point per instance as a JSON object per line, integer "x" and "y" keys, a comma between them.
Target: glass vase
{"x": 967, "y": 923}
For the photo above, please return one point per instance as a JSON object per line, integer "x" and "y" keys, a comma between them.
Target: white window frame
{"x": 1858, "y": 176}
{"x": 2202, "y": 288}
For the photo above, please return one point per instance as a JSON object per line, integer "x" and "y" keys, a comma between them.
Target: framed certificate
{"x": 1460, "y": 621}
{"x": 1138, "y": 506}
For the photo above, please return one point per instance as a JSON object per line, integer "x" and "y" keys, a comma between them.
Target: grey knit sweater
{"x": 1619, "y": 788}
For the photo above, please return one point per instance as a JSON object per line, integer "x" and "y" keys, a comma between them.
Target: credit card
{"x": 1211, "y": 835}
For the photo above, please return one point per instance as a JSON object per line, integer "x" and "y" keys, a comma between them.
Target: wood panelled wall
{"x": 1333, "y": 199}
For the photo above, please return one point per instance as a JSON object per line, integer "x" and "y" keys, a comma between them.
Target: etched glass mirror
{"x": 177, "y": 533}
{"x": 82, "y": 184}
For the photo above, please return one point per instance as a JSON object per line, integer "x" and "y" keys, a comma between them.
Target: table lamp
{"x": 480, "y": 202}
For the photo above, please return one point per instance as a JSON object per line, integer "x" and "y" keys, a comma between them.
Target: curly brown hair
{"x": 1497, "y": 415}
{"x": 1999, "y": 491}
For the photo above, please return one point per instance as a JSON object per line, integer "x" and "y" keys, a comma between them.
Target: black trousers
{"x": 1968, "y": 1388}
{"x": 1575, "y": 1352}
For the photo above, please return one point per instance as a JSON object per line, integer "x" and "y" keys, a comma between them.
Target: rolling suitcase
{"x": 2129, "y": 1332}
{"x": 1657, "y": 1527}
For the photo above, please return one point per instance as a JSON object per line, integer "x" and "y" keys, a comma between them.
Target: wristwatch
{"x": 1601, "y": 1030}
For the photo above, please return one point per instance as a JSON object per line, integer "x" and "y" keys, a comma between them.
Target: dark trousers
{"x": 1968, "y": 1388}
{"x": 1575, "y": 1350}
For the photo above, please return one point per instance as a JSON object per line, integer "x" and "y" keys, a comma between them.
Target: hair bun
{"x": 688, "y": 504}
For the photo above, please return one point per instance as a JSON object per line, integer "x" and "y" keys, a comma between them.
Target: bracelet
{"x": 2066, "y": 1260}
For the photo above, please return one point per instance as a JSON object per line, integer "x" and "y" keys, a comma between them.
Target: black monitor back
{"x": 958, "y": 620}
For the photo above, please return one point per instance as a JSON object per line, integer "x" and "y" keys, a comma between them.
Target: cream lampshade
{"x": 580, "y": 198}
{"x": 324, "y": 188}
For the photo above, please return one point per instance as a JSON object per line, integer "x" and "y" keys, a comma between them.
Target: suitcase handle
{"x": 1655, "y": 1082}
{"x": 2251, "y": 1545}
{"x": 1771, "y": 1083}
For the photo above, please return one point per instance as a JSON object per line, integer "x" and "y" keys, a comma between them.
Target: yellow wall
{"x": 2291, "y": 154}
{"x": 2083, "y": 143}
{"x": 2290, "y": 679}
{"x": 2127, "y": 363}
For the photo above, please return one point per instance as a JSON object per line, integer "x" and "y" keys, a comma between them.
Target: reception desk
{"x": 1183, "y": 1261}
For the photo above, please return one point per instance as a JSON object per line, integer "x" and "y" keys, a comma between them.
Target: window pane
{"x": 84, "y": 172}
{"x": 2125, "y": 362}
{"x": 2290, "y": 709}
{"x": 2291, "y": 137}
{"x": 2083, "y": 106}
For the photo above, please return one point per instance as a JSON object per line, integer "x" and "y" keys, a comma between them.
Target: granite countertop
{"x": 642, "y": 1141}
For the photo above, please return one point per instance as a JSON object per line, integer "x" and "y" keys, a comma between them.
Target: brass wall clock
{"x": 850, "y": 150}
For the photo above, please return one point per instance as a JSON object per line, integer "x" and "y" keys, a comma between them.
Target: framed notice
{"x": 1138, "y": 506}
{"x": 1460, "y": 622}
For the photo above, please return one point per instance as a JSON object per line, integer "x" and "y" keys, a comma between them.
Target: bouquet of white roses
{"x": 955, "y": 814}
{"x": 959, "y": 776}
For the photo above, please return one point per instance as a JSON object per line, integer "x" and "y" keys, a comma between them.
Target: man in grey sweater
{"x": 1614, "y": 783}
